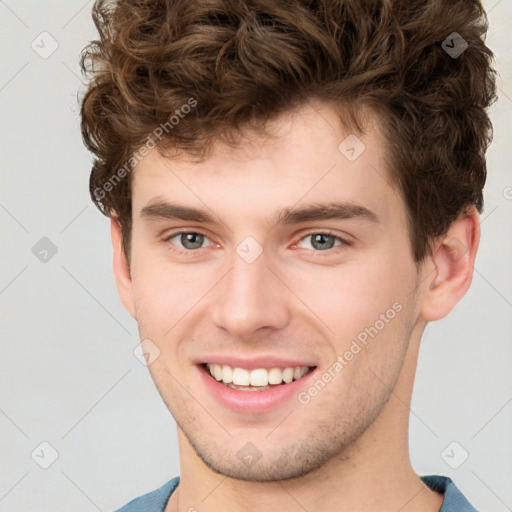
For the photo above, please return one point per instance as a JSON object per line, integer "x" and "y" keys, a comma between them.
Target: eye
{"x": 189, "y": 240}
{"x": 321, "y": 241}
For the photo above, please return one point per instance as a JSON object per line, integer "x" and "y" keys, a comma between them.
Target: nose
{"x": 250, "y": 298}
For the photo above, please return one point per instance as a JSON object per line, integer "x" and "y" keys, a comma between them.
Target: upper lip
{"x": 255, "y": 362}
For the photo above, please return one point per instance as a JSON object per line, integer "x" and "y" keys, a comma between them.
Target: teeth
{"x": 227, "y": 374}
{"x": 241, "y": 377}
{"x": 288, "y": 375}
{"x": 217, "y": 372}
{"x": 275, "y": 376}
{"x": 260, "y": 377}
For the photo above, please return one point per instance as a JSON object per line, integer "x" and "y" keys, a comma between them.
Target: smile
{"x": 257, "y": 379}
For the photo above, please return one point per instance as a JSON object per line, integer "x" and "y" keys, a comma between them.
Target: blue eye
{"x": 322, "y": 241}
{"x": 189, "y": 241}
{"x": 318, "y": 242}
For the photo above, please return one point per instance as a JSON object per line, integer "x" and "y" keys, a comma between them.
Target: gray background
{"x": 68, "y": 374}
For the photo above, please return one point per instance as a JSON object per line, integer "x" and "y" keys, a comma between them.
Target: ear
{"x": 452, "y": 261}
{"x": 121, "y": 267}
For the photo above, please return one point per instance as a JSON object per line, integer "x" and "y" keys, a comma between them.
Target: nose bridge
{"x": 249, "y": 296}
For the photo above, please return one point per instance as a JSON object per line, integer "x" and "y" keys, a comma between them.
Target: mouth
{"x": 258, "y": 379}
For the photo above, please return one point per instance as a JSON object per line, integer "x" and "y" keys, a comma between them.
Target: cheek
{"x": 166, "y": 293}
{"x": 352, "y": 297}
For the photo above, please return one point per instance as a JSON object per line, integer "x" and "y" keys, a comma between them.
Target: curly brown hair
{"x": 230, "y": 65}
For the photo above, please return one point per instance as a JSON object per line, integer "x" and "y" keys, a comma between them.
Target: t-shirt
{"x": 454, "y": 500}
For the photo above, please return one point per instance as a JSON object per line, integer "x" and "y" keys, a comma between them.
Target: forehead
{"x": 307, "y": 157}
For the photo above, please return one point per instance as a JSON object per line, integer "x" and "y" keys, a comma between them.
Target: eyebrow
{"x": 160, "y": 209}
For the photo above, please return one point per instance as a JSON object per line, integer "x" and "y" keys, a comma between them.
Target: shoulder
{"x": 454, "y": 500}
{"x": 153, "y": 501}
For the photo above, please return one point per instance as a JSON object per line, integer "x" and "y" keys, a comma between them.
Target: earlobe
{"x": 121, "y": 267}
{"x": 453, "y": 261}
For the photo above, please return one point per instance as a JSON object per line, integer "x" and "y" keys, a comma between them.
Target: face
{"x": 290, "y": 252}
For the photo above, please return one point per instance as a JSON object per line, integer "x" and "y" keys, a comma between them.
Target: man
{"x": 294, "y": 190}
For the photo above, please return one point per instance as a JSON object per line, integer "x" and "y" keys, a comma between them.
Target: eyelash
{"x": 343, "y": 242}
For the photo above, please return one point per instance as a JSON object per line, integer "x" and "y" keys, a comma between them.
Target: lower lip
{"x": 253, "y": 401}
